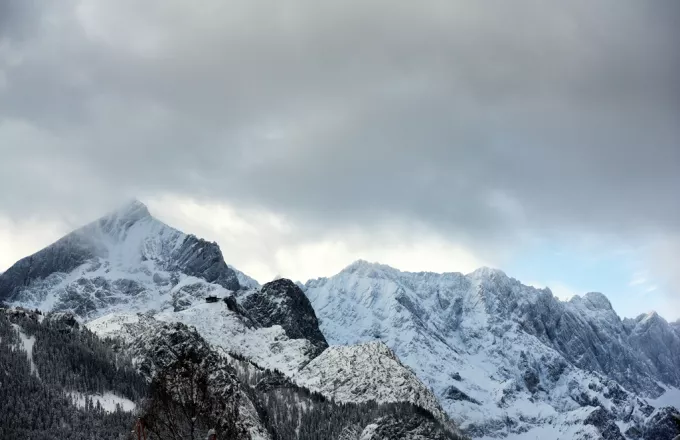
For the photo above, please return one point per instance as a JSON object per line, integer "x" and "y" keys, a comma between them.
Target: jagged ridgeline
{"x": 60, "y": 381}
{"x": 194, "y": 389}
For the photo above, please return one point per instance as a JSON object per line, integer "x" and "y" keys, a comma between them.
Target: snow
{"x": 671, "y": 397}
{"x": 368, "y": 432}
{"x": 27, "y": 342}
{"x": 132, "y": 247}
{"x": 454, "y": 335}
{"x": 108, "y": 401}
{"x": 268, "y": 347}
{"x": 244, "y": 280}
{"x": 364, "y": 372}
{"x": 112, "y": 325}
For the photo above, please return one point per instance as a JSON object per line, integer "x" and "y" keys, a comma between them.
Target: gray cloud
{"x": 481, "y": 120}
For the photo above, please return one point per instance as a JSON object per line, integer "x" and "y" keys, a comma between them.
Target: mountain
{"x": 128, "y": 262}
{"x": 120, "y": 261}
{"x": 62, "y": 381}
{"x": 170, "y": 302}
{"x": 506, "y": 359}
{"x": 282, "y": 302}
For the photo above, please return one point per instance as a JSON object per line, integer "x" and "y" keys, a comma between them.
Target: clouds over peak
{"x": 486, "y": 121}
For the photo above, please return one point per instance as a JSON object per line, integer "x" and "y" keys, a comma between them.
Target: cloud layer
{"x": 488, "y": 123}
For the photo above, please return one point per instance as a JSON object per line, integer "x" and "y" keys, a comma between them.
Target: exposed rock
{"x": 604, "y": 422}
{"x": 454, "y": 393}
{"x": 281, "y": 302}
{"x": 203, "y": 259}
{"x": 663, "y": 425}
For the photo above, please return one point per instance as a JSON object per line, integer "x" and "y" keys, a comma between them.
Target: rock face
{"x": 658, "y": 341}
{"x": 63, "y": 256}
{"x": 366, "y": 372}
{"x": 505, "y": 358}
{"x": 158, "y": 346}
{"x": 589, "y": 334}
{"x": 281, "y": 302}
{"x": 663, "y": 425}
{"x": 604, "y": 424}
{"x": 199, "y": 258}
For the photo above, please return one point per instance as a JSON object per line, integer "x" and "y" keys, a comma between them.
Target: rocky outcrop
{"x": 663, "y": 425}
{"x": 202, "y": 259}
{"x": 62, "y": 256}
{"x": 281, "y": 302}
{"x": 605, "y": 424}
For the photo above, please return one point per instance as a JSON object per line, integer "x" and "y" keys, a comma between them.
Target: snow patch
{"x": 269, "y": 347}
{"x": 368, "y": 432}
{"x": 108, "y": 401}
{"x": 671, "y": 397}
{"x": 28, "y": 343}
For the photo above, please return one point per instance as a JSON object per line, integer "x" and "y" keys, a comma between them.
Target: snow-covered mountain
{"x": 506, "y": 359}
{"x": 124, "y": 261}
{"x": 128, "y": 262}
{"x": 498, "y": 358}
{"x": 128, "y": 275}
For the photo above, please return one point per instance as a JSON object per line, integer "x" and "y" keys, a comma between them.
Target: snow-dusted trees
{"x": 42, "y": 406}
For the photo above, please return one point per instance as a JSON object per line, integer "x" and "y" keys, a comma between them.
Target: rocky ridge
{"x": 506, "y": 359}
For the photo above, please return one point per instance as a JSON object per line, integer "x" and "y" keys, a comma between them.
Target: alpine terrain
{"x": 129, "y": 327}
{"x": 128, "y": 323}
{"x": 511, "y": 361}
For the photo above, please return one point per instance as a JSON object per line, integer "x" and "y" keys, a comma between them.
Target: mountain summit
{"x": 111, "y": 262}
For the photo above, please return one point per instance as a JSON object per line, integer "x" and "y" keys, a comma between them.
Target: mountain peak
{"x": 116, "y": 223}
{"x": 361, "y": 264}
{"x": 647, "y": 318}
{"x": 131, "y": 209}
{"x": 598, "y": 300}
{"x": 487, "y": 272}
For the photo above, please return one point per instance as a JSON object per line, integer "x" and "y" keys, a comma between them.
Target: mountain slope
{"x": 365, "y": 372}
{"x": 503, "y": 358}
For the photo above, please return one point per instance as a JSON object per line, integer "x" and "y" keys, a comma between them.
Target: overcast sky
{"x": 540, "y": 137}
